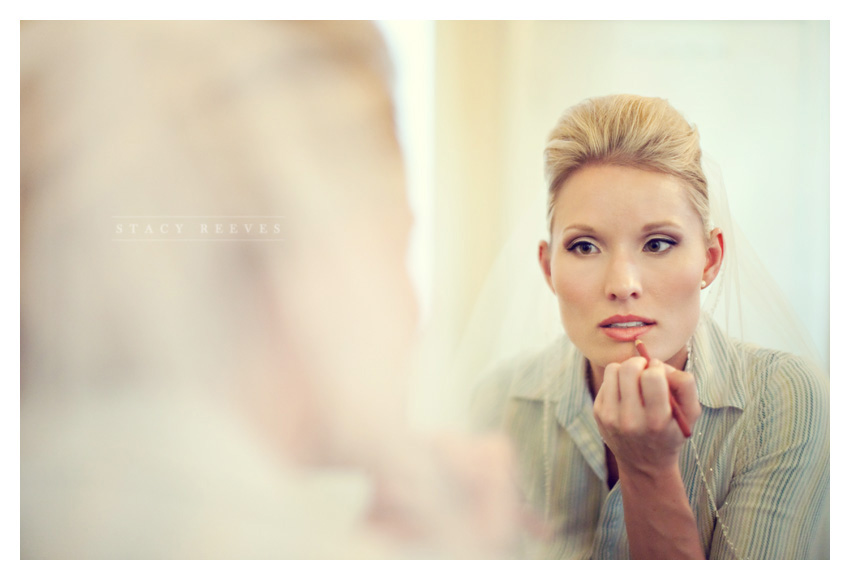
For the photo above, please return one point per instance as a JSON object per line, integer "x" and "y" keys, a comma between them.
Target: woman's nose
{"x": 622, "y": 280}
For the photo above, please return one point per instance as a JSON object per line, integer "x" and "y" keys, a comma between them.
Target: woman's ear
{"x": 544, "y": 258}
{"x": 713, "y": 256}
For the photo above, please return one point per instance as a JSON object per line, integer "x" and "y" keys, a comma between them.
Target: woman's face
{"x": 626, "y": 260}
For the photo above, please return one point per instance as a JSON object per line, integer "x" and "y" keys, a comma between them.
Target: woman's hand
{"x": 634, "y": 416}
{"x": 633, "y": 412}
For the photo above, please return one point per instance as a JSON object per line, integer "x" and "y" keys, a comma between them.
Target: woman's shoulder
{"x": 788, "y": 385}
{"x": 758, "y": 374}
{"x": 781, "y": 373}
{"x": 525, "y": 376}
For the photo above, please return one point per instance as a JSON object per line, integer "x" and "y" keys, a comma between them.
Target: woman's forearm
{"x": 659, "y": 520}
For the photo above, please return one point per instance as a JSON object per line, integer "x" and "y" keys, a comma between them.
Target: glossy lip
{"x": 626, "y": 318}
{"x": 626, "y": 334}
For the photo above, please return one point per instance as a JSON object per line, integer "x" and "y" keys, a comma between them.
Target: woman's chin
{"x": 613, "y": 354}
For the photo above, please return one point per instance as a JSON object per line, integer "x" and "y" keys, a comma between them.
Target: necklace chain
{"x": 712, "y": 504}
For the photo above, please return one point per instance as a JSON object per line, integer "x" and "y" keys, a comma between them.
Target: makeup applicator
{"x": 677, "y": 412}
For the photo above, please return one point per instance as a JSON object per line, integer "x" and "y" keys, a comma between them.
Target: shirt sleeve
{"x": 780, "y": 487}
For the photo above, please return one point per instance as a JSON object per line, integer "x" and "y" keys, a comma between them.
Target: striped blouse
{"x": 756, "y": 469}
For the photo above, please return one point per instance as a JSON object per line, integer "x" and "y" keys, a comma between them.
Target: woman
{"x": 215, "y": 311}
{"x": 631, "y": 249}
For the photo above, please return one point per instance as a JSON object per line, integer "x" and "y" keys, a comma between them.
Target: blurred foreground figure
{"x": 216, "y": 319}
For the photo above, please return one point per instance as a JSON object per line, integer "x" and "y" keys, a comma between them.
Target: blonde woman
{"x": 710, "y": 448}
{"x": 216, "y": 316}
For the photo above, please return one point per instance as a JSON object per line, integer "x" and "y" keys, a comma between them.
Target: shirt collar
{"x": 717, "y": 363}
{"x": 557, "y": 374}
{"x": 550, "y": 374}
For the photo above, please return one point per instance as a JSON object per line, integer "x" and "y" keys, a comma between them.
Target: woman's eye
{"x": 583, "y": 247}
{"x": 658, "y": 245}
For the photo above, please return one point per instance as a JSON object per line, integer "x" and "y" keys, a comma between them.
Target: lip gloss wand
{"x": 677, "y": 412}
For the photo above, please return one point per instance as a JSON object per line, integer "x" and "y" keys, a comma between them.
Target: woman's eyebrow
{"x": 580, "y": 227}
{"x": 660, "y": 225}
{"x": 584, "y": 228}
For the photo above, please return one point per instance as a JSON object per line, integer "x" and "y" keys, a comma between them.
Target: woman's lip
{"x": 627, "y": 318}
{"x": 626, "y": 334}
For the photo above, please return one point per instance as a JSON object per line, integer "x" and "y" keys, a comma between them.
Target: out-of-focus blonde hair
{"x": 642, "y": 132}
{"x": 177, "y": 119}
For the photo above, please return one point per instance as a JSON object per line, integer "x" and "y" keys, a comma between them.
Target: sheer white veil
{"x": 746, "y": 300}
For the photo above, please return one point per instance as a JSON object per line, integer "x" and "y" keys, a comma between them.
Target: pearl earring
{"x": 703, "y": 284}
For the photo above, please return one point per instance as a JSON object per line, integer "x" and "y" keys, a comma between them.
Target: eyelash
{"x": 574, "y": 246}
{"x": 670, "y": 243}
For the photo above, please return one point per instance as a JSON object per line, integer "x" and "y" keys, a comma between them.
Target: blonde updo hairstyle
{"x": 627, "y": 130}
